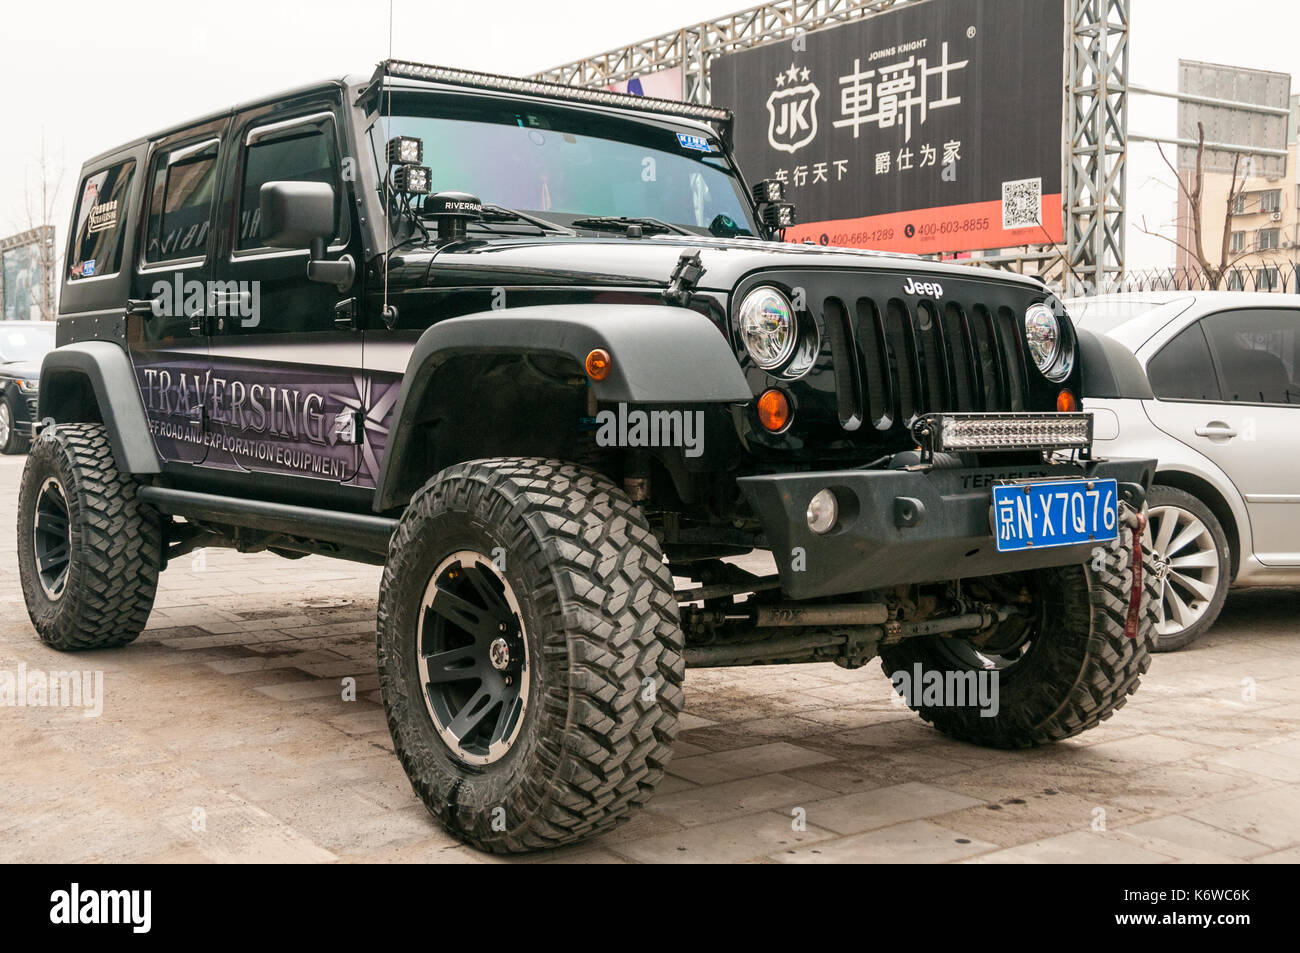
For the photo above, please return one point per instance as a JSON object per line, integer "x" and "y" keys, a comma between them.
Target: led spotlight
{"x": 412, "y": 179}
{"x": 405, "y": 150}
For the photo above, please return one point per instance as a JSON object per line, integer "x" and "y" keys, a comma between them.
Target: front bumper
{"x": 900, "y": 527}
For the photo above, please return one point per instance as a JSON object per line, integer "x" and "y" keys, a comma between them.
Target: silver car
{"x": 1208, "y": 383}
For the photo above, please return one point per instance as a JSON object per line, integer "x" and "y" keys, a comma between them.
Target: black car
{"x": 23, "y": 345}
{"x": 539, "y": 350}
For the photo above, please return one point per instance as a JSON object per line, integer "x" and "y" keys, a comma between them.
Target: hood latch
{"x": 686, "y": 275}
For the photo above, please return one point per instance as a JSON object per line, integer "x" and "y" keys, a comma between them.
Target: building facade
{"x": 1264, "y": 227}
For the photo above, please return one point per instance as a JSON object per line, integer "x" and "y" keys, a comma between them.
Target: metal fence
{"x": 1280, "y": 277}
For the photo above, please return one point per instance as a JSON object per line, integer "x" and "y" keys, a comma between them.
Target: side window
{"x": 1183, "y": 369}
{"x": 97, "y": 226}
{"x": 1257, "y": 352}
{"x": 296, "y": 151}
{"x": 180, "y": 202}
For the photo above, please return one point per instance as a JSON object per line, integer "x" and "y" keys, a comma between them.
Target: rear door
{"x": 1240, "y": 371}
{"x": 169, "y": 341}
{"x": 286, "y": 366}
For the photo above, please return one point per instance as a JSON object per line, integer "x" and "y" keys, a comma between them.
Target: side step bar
{"x": 359, "y": 530}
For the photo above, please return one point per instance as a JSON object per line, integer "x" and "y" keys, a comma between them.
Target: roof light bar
{"x": 513, "y": 84}
{"x": 991, "y": 432}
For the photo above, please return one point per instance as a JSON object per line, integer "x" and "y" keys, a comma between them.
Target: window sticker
{"x": 102, "y": 216}
{"x": 97, "y": 235}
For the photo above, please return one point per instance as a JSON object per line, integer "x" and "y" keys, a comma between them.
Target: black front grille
{"x": 885, "y": 355}
{"x": 848, "y": 374}
{"x": 895, "y": 359}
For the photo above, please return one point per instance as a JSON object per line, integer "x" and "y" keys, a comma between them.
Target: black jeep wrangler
{"x": 539, "y": 351}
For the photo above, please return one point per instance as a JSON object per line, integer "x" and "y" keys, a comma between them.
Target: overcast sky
{"x": 87, "y": 76}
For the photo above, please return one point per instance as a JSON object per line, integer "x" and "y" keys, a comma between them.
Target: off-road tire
{"x": 603, "y": 639}
{"x": 16, "y": 441}
{"x": 114, "y": 543}
{"x": 1170, "y": 496}
{"x": 1080, "y": 668}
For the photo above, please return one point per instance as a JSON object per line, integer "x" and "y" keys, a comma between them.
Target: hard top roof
{"x": 408, "y": 75}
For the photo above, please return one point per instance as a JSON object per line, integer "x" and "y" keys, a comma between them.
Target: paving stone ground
{"x": 225, "y": 736}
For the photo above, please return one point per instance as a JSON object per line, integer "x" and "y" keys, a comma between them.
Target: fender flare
{"x": 1110, "y": 370}
{"x": 107, "y": 368}
{"x": 661, "y": 355}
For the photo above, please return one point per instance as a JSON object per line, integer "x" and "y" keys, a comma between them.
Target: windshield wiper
{"x": 499, "y": 213}
{"x": 612, "y": 223}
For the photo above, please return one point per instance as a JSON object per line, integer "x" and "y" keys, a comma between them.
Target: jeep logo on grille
{"x": 923, "y": 289}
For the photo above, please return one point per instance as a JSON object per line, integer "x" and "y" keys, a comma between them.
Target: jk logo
{"x": 792, "y": 117}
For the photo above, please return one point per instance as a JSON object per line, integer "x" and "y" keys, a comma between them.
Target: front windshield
{"x": 27, "y": 343}
{"x": 567, "y": 164}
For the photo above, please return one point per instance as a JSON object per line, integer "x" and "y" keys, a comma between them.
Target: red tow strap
{"x": 1135, "y": 595}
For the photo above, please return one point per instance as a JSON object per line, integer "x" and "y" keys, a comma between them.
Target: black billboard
{"x": 935, "y": 127}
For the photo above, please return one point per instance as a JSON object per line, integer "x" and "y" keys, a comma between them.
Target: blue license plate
{"x": 1063, "y": 513}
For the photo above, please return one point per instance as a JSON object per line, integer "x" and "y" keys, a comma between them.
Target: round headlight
{"x": 766, "y": 323}
{"x": 1043, "y": 333}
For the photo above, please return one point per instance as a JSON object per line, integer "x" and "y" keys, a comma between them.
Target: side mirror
{"x": 296, "y": 214}
{"x": 302, "y": 215}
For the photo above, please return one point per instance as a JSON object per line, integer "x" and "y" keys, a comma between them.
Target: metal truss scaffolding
{"x": 693, "y": 47}
{"x": 1096, "y": 94}
{"x": 1097, "y": 153}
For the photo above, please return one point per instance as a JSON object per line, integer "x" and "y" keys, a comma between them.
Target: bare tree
{"x": 1192, "y": 189}
{"x": 39, "y": 200}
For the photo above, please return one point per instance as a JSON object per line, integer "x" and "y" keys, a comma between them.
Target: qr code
{"x": 1022, "y": 203}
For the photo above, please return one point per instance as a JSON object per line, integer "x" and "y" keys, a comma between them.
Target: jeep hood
{"x": 622, "y": 262}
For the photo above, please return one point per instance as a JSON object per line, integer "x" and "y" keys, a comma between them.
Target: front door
{"x": 286, "y": 366}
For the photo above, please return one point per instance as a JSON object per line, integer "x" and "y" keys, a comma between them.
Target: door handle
{"x": 199, "y": 324}
{"x": 1216, "y": 429}
{"x": 142, "y": 305}
{"x": 230, "y": 302}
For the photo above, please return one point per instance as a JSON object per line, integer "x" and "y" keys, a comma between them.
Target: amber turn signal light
{"x": 1065, "y": 403}
{"x": 774, "y": 411}
{"x": 599, "y": 364}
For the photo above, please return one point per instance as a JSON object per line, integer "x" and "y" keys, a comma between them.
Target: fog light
{"x": 823, "y": 511}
